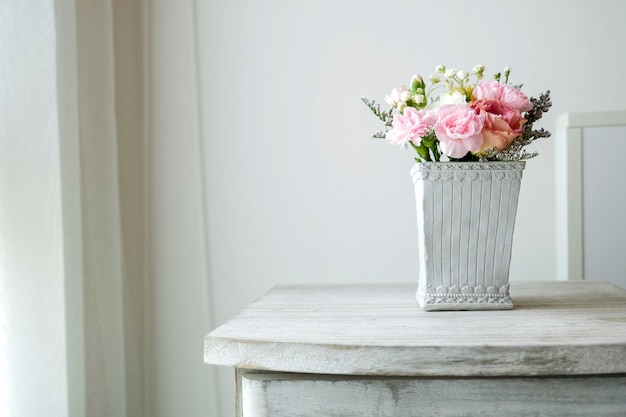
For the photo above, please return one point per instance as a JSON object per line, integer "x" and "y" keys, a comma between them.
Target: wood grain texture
{"x": 555, "y": 328}
{"x": 291, "y": 395}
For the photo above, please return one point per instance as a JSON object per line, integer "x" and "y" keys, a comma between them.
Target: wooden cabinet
{"x": 369, "y": 350}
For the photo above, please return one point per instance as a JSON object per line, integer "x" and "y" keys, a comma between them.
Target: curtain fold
{"x": 92, "y": 220}
{"x": 131, "y": 141}
{"x": 179, "y": 287}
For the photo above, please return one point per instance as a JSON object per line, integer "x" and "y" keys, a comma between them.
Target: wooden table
{"x": 369, "y": 350}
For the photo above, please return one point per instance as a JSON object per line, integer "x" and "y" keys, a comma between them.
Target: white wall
{"x": 298, "y": 192}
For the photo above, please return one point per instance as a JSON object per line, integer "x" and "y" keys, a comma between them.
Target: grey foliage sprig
{"x": 385, "y": 116}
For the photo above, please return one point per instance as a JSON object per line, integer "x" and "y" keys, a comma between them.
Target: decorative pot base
{"x": 466, "y": 298}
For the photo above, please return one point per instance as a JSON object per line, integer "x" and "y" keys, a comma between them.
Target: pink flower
{"x": 490, "y": 90}
{"x": 515, "y": 98}
{"x": 502, "y": 124}
{"x": 458, "y": 129}
{"x": 507, "y": 94}
{"x": 410, "y": 126}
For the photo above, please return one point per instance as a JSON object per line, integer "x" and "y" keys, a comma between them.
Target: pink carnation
{"x": 490, "y": 90}
{"x": 458, "y": 129}
{"x": 502, "y": 124}
{"x": 511, "y": 96}
{"x": 410, "y": 126}
{"x": 515, "y": 98}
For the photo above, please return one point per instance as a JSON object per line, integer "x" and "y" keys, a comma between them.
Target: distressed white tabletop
{"x": 555, "y": 328}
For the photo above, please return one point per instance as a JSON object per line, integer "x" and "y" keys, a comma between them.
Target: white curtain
{"x": 104, "y": 289}
{"x": 32, "y": 326}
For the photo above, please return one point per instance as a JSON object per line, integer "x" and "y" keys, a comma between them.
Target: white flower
{"x": 462, "y": 75}
{"x": 398, "y": 96}
{"x": 450, "y": 72}
{"x": 455, "y": 98}
{"x": 433, "y": 78}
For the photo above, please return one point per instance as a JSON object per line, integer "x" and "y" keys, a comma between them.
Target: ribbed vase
{"x": 465, "y": 220}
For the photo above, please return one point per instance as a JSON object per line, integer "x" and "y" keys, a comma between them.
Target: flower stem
{"x": 422, "y": 151}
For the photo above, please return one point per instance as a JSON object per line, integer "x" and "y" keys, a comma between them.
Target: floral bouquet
{"x": 470, "y": 120}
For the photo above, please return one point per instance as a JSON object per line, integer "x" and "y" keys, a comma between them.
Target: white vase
{"x": 465, "y": 220}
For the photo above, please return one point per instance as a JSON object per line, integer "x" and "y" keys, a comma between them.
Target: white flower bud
{"x": 478, "y": 69}
{"x": 419, "y": 98}
{"x": 433, "y": 78}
